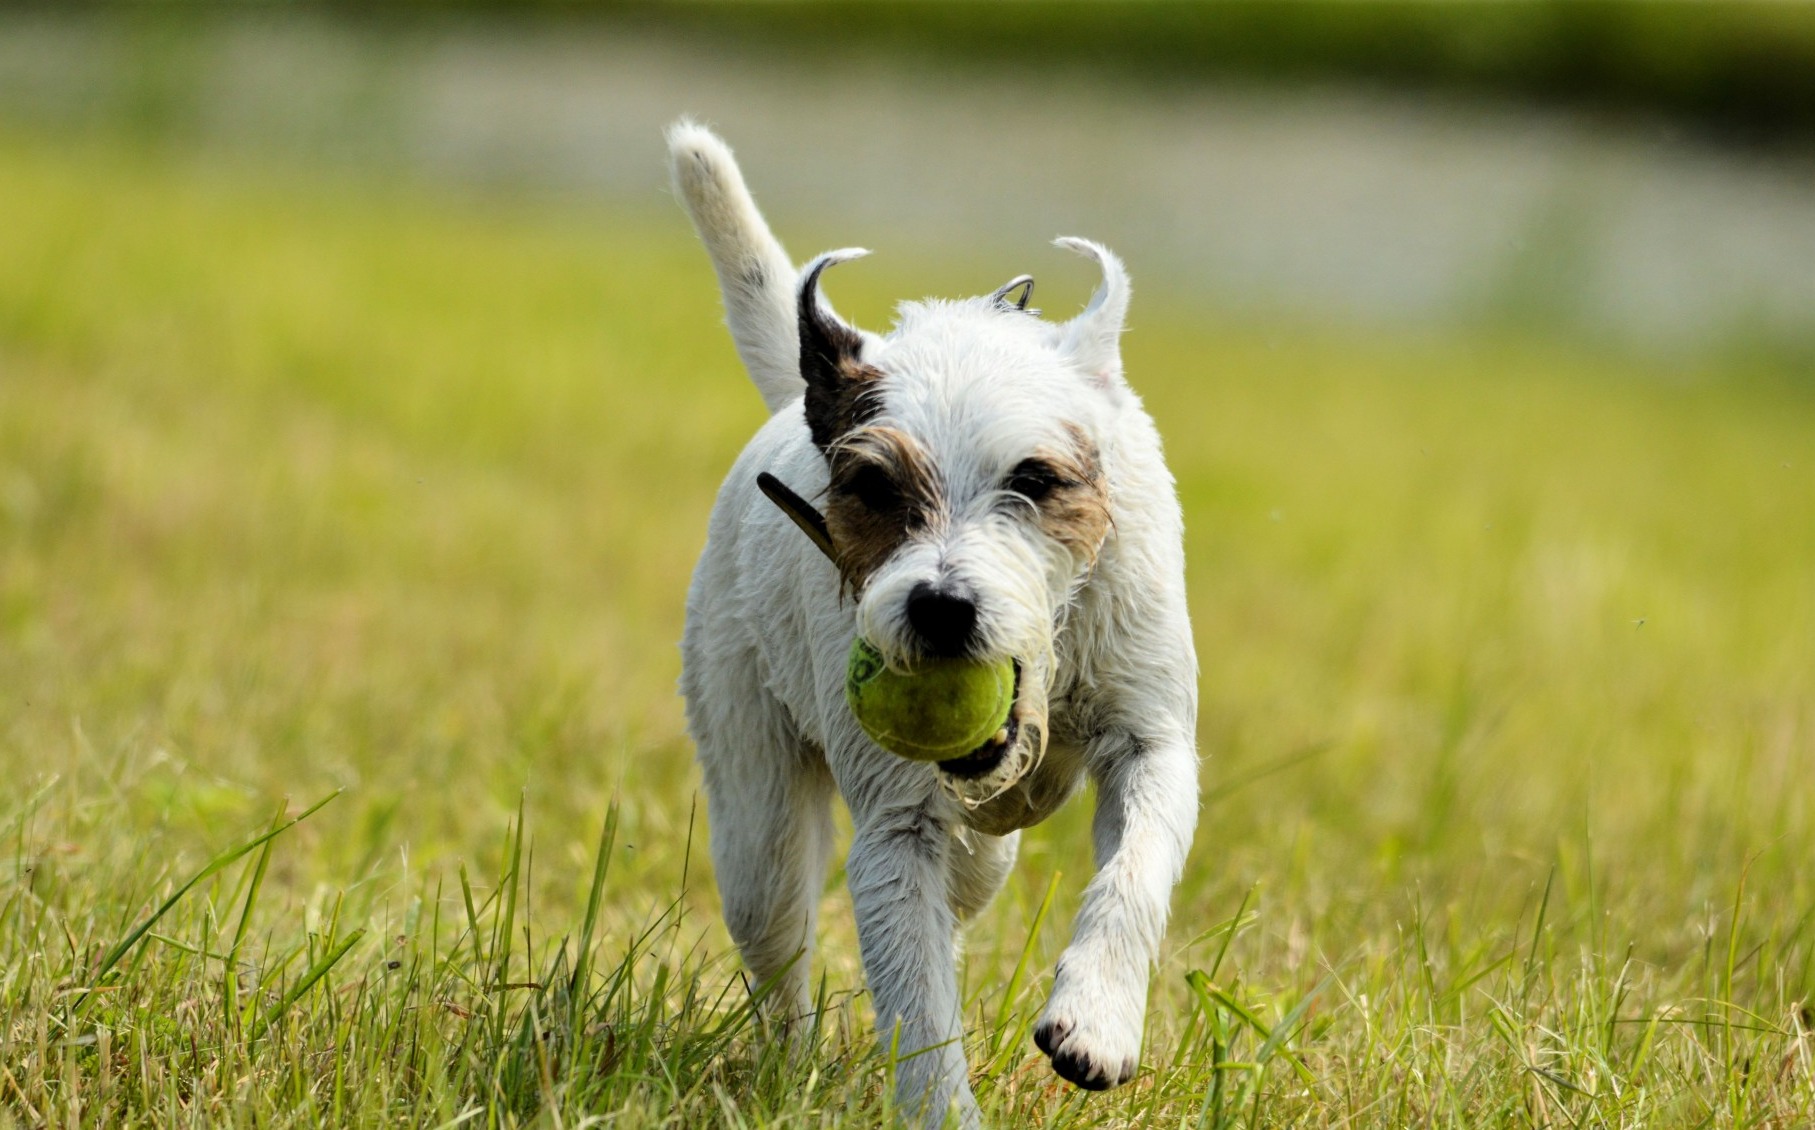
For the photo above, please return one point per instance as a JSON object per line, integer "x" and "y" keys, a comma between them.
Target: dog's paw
{"x": 1091, "y": 1032}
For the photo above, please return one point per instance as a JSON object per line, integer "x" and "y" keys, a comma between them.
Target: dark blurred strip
{"x": 1745, "y": 69}
{"x": 1741, "y": 71}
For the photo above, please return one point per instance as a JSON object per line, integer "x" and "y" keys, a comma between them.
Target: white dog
{"x": 992, "y": 489}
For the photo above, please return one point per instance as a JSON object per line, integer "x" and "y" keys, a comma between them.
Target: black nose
{"x": 945, "y": 620}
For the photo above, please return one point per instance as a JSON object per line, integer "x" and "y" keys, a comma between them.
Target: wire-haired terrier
{"x": 987, "y": 487}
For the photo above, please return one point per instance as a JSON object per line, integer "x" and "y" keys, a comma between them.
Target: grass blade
{"x": 582, "y": 966}
{"x": 314, "y": 973}
{"x": 124, "y": 946}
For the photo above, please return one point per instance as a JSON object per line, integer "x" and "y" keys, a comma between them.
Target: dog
{"x": 987, "y": 486}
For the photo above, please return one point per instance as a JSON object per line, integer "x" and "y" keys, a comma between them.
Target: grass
{"x": 344, "y": 527}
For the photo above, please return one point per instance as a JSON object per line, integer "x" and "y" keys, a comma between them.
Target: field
{"x": 344, "y": 529}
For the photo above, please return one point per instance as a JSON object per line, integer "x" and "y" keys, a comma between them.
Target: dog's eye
{"x": 873, "y": 487}
{"x": 1033, "y": 480}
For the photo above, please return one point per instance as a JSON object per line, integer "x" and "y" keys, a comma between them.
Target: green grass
{"x": 318, "y": 488}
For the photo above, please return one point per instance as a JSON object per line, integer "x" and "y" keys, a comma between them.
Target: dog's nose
{"x": 945, "y": 621}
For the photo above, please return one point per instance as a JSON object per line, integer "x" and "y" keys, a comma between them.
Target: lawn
{"x": 320, "y": 488}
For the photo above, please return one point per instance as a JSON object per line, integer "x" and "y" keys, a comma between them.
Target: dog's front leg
{"x": 1146, "y": 810}
{"x": 905, "y": 925}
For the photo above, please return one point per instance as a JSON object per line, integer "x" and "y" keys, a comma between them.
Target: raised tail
{"x": 754, "y": 274}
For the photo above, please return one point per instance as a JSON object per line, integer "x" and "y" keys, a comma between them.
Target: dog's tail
{"x": 754, "y": 274}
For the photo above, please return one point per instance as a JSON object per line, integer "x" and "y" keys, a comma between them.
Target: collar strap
{"x": 811, "y": 522}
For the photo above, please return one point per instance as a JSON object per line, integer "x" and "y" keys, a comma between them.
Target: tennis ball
{"x": 943, "y": 708}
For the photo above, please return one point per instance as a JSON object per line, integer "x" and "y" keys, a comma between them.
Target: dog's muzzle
{"x": 980, "y": 780}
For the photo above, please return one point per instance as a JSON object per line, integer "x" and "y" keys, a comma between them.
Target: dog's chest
{"x": 1035, "y": 796}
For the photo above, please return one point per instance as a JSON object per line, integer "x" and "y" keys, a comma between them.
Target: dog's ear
{"x": 1093, "y": 339}
{"x": 830, "y": 357}
{"x": 1024, "y": 284}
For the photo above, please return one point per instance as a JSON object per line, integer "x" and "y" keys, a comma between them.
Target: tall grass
{"x": 317, "y": 488}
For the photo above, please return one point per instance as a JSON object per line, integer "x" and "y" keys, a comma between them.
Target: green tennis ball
{"x": 943, "y": 708}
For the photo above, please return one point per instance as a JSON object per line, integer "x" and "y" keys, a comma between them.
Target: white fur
{"x": 1109, "y": 674}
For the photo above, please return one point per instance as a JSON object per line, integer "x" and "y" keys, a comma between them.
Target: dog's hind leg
{"x": 979, "y": 865}
{"x": 768, "y": 796}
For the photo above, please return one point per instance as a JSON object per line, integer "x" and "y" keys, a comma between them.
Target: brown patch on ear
{"x": 841, "y": 400}
{"x": 1075, "y": 512}
{"x": 841, "y": 389}
{"x": 884, "y": 490}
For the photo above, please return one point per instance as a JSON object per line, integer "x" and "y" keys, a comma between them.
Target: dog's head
{"x": 969, "y": 494}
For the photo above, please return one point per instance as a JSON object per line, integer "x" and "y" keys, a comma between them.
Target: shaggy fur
{"x": 992, "y": 488}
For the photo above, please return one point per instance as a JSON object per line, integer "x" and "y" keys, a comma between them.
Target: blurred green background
{"x": 1632, "y": 173}
{"x": 363, "y": 396}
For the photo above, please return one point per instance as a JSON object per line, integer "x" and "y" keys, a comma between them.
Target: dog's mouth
{"x": 988, "y": 757}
